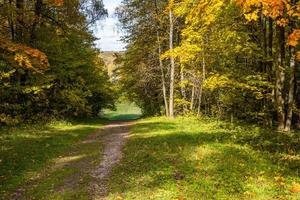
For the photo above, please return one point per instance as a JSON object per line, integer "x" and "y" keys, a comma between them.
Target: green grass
{"x": 48, "y": 162}
{"x": 190, "y": 159}
{"x": 124, "y": 111}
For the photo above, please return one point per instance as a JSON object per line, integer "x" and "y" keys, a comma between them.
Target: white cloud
{"x": 107, "y": 29}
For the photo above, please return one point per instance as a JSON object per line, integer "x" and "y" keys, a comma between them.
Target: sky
{"x": 107, "y": 29}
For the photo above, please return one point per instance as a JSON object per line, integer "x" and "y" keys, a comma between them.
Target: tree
{"x": 172, "y": 61}
{"x": 285, "y": 14}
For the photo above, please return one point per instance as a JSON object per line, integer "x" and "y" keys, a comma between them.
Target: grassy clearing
{"x": 124, "y": 111}
{"x": 190, "y": 159}
{"x": 48, "y": 161}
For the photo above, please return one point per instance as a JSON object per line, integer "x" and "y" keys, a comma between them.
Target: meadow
{"x": 48, "y": 161}
{"x": 187, "y": 158}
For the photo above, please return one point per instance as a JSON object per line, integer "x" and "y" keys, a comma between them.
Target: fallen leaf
{"x": 295, "y": 188}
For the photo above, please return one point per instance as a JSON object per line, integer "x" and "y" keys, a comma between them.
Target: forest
{"x": 43, "y": 75}
{"x": 225, "y": 59}
{"x": 203, "y": 103}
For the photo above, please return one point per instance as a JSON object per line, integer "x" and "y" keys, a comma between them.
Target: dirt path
{"x": 114, "y": 137}
{"x": 111, "y": 138}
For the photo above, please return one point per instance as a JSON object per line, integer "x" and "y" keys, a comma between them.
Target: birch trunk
{"x": 162, "y": 76}
{"x": 280, "y": 79}
{"x": 172, "y": 72}
{"x": 182, "y": 87}
{"x": 201, "y": 86}
{"x": 291, "y": 97}
{"x": 193, "y": 96}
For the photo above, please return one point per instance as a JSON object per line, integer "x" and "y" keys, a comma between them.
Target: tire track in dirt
{"x": 114, "y": 137}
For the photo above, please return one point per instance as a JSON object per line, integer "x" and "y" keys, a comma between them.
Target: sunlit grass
{"x": 37, "y": 160}
{"x": 124, "y": 111}
{"x": 190, "y": 159}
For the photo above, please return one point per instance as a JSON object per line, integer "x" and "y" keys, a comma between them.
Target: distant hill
{"x": 109, "y": 58}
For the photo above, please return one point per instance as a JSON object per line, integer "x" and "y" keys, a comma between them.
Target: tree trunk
{"x": 280, "y": 79}
{"x": 172, "y": 72}
{"x": 291, "y": 98}
{"x": 162, "y": 76}
{"x": 264, "y": 42}
{"x": 20, "y": 16}
{"x": 200, "y": 98}
{"x": 164, "y": 90}
{"x": 270, "y": 44}
{"x": 37, "y": 12}
{"x": 270, "y": 61}
{"x": 201, "y": 86}
{"x": 11, "y": 23}
{"x": 193, "y": 95}
{"x": 292, "y": 83}
{"x": 182, "y": 86}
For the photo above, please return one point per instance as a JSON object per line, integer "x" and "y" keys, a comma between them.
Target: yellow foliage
{"x": 199, "y": 16}
{"x": 185, "y": 53}
{"x": 8, "y": 74}
{"x": 23, "y": 61}
{"x": 253, "y": 16}
{"x": 217, "y": 81}
{"x": 294, "y": 37}
{"x": 170, "y": 5}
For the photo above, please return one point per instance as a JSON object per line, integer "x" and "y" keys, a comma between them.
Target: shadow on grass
{"x": 210, "y": 165}
{"x": 121, "y": 117}
{"x": 150, "y": 127}
{"x": 284, "y": 147}
{"x": 25, "y": 151}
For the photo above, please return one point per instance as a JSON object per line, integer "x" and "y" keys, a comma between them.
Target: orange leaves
{"x": 294, "y": 38}
{"x": 282, "y": 22}
{"x": 270, "y": 8}
{"x": 282, "y": 11}
{"x": 59, "y": 2}
{"x": 24, "y": 56}
{"x": 298, "y": 55}
{"x": 295, "y": 188}
{"x": 273, "y": 8}
{"x": 56, "y": 3}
